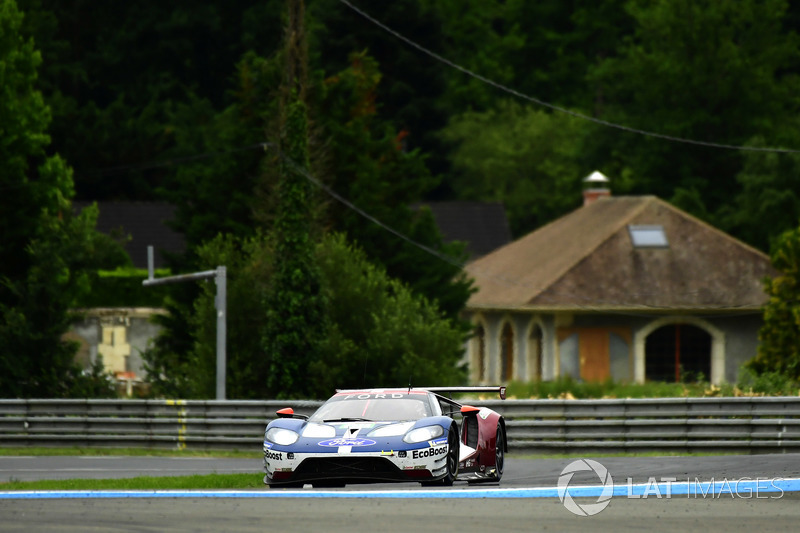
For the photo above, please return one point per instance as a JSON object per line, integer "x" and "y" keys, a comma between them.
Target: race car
{"x": 385, "y": 435}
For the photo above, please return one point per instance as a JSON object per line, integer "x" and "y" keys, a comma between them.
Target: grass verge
{"x": 199, "y": 482}
{"x": 142, "y": 452}
{"x": 209, "y": 481}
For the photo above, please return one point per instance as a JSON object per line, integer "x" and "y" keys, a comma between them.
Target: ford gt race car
{"x": 380, "y": 435}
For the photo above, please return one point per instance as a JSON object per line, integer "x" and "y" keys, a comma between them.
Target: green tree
{"x": 769, "y": 202}
{"x": 295, "y": 321}
{"x": 713, "y": 71}
{"x": 530, "y": 160}
{"x": 381, "y": 333}
{"x": 248, "y": 261}
{"x": 114, "y": 74}
{"x": 352, "y": 150}
{"x": 779, "y": 349}
{"x": 365, "y": 162}
{"x": 47, "y": 254}
{"x": 411, "y": 96}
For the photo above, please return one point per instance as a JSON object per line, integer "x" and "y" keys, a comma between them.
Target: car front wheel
{"x": 451, "y": 462}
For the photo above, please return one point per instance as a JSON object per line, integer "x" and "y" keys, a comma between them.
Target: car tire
{"x": 451, "y": 462}
{"x": 499, "y": 452}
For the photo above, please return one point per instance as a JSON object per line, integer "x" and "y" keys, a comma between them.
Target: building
{"x": 143, "y": 224}
{"x": 628, "y": 287}
{"x": 481, "y": 226}
{"x": 121, "y": 334}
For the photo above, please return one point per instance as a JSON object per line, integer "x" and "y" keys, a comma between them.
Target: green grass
{"x": 143, "y": 452}
{"x": 198, "y": 482}
{"x": 207, "y": 481}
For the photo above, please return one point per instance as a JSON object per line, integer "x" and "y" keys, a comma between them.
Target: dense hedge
{"x": 123, "y": 288}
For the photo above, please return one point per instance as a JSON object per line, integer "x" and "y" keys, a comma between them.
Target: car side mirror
{"x": 288, "y": 412}
{"x": 468, "y": 410}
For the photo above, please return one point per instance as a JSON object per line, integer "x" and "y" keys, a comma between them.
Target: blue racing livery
{"x": 384, "y": 435}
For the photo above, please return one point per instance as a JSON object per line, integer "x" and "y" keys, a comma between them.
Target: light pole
{"x": 220, "y": 278}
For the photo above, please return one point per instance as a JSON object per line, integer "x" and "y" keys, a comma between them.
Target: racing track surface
{"x": 361, "y": 507}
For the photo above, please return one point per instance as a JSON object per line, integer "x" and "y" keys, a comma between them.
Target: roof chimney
{"x": 596, "y": 186}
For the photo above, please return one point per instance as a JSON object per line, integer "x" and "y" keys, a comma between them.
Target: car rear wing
{"x": 451, "y": 390}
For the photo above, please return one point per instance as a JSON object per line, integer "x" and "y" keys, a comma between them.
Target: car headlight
{"x": 281, "y": 436}
{"x": 319, "y": 431}
{"x": 391, "y": 430}
{"x": 423, "y": 434}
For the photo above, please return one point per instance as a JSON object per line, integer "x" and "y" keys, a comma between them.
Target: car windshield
{"x": 373, "y": 407}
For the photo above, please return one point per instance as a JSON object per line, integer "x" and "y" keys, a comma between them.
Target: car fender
{"x": 485, "y": 421}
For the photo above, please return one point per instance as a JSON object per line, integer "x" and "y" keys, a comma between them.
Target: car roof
{"x": 340, "y": 392}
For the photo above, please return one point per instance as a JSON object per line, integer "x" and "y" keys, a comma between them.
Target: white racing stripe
{"x": 350, "y": 433}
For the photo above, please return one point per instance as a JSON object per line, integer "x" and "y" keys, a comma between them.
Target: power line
{"x": 462, "y": 266}
{"x": 554, "y": 107}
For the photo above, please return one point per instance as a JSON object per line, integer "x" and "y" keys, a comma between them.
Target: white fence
{"x": 743, "y": 425}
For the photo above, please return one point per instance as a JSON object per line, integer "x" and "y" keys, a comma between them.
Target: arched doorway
{"x": 479, "y": 354}
{"x": 678, "y": 352}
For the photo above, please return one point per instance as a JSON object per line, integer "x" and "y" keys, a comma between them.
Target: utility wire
{"x": 554, "y": 107}
{"x": 462, "y": 266}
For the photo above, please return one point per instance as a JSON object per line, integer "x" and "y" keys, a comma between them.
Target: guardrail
{"x": 742, "y": 425}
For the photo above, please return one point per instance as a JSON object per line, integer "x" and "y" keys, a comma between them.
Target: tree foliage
{"x": 380, "y": 332}
{"x": 713, "y": 71}
{"x": 526, "y": 158}
{"x": 779, "y": 350}
{"x": 365, "y": 162}
{"x": 176, "y": 100}
{"x": 48, "y": 254}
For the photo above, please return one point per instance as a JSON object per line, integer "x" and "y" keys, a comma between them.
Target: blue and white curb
{"x": 742, "y": 488}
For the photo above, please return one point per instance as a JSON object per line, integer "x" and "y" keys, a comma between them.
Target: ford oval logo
{"x": 346, "y": 442}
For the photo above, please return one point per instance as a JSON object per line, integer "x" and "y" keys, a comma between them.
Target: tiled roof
{"x": 586, "y": 260}
{"x": 145, "y": 222}
{"x": 483, "y": 226}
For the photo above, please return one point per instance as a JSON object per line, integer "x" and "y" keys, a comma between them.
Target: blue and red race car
{"x": 380, "y": 435}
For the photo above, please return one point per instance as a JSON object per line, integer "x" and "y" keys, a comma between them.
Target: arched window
{"x": 535, "y": 353}
{"x": 678, "y": 352}
{"x": 479, "y": 354}
{"x": 507, "y": 353}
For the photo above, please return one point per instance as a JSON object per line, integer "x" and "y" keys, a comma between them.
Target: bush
{"x": 123, "y": 288}
{"x": 767, "y": 382}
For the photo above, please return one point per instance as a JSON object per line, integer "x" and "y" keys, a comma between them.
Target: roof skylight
{"x": 648, "y": 236}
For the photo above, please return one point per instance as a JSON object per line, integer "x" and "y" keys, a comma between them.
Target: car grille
{"x": 354, "y": 468}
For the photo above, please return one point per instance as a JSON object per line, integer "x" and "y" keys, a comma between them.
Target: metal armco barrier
{"x": 741, "y": 425}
